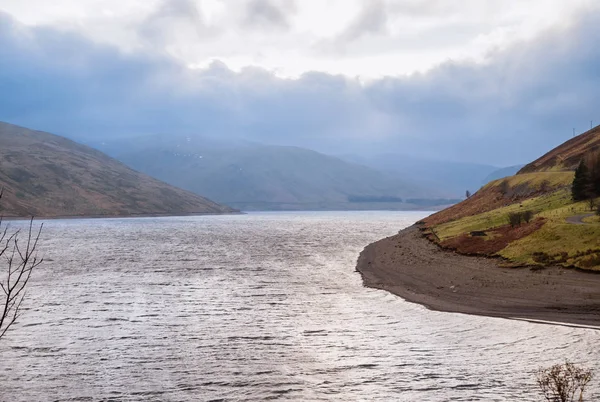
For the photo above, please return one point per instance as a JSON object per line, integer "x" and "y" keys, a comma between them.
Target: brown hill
{"x": 551, "y": 172}
{"x": 46, "y": 175}
{"x": 568, "y": 155}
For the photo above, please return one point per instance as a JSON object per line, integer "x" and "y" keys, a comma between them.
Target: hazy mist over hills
{"x": 253, "y": 176}
{"x": 451, "y": 177}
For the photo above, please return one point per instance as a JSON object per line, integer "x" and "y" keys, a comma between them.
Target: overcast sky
{"x": 494, "y": 81}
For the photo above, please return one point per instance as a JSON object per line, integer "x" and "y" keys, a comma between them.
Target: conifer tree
{"x": 593, "y": 167}
{"x": 581, "y": 182}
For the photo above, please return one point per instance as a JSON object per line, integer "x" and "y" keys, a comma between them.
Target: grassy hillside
{"x": 47, "y": 175}
{"x": 261, "y": 177}
{"x": 560, "y": 230}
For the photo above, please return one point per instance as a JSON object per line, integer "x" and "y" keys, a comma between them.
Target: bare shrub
{"x": 20, "y": 259}
{"x": 563, "y": 382}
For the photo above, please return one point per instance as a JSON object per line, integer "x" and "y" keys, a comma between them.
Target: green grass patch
{"x": 557, "y": 241}
{"x": 553, "y": 238}
{"x": 592, "y": 219}
{"x": 499, "y": 217}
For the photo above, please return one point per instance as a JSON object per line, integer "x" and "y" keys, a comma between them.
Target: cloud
{"x": 371, "y": 20}
{"x": 523, "y": 101}
{"x": 173, "y": 20}
{"x": 267, "y": 15}
{"x": 370, "y": 38}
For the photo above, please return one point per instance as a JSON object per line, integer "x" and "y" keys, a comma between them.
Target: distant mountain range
{"x": 448, "y": 177}
{"x": 253, "y": 176}
{"x": 46, "y": 175}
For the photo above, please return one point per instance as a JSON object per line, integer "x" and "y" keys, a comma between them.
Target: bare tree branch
{"x": 20, "y": 262}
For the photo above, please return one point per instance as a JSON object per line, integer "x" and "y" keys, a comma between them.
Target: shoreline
{"x": 413, "y": 268}
{"x": 67, "y": 217}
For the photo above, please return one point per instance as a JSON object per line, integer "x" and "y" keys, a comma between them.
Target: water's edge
{"x": 411, "y": 267}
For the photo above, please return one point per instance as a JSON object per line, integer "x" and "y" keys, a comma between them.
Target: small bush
{"x": 563, "y": 382}
{"x": 514, "y": 218}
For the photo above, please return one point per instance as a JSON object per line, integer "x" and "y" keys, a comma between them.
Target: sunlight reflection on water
{"x": 255, "y": 307}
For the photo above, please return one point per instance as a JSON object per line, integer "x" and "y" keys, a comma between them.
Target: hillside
{"x": 252, "y": 176}
{"x": 46, "y": 175}
{"x": 568, "y": 155}
{"x": 558, "y": 230}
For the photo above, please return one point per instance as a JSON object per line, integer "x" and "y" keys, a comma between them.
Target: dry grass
{"x": 535, "y": 181}
{"x": 567, "y": 155}
{"x": 499, "y": 217}
{"x": 503, "y": 193}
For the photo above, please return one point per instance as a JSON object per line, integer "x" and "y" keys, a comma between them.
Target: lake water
{"x": 255, "y": 307}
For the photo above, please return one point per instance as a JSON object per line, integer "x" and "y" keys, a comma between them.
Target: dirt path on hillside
{"x": 417, "y": 270}
{"x": 578, "y": 219}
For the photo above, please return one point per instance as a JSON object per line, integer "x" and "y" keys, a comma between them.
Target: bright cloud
{"x": 366, "y": 38}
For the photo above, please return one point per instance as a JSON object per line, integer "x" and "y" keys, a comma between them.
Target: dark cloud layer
{"x": 524, "y": 101}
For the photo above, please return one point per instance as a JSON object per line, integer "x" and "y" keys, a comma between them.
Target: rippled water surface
{"x": 255, "y": 307}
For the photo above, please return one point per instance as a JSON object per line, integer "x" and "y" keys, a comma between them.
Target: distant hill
{"x": 501, "y": 173}
{"x": 261, "y": 177}
{"x": 529, "y": 218}
{"x": 452, "y": 178}
{"x": 568, "y": 155}
{"x": 46, "y": 175}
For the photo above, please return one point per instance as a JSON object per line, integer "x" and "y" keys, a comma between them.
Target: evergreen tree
{"x": 593, "y": 166}
{"x": 581, "y": 183}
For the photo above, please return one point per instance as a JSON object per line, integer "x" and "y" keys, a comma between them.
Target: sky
{"x": 486, "y": 81}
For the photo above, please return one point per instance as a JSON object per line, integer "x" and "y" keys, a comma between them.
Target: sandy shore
{"x": 417, "y": 270}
